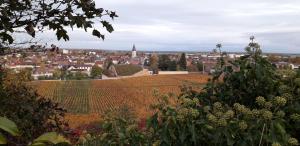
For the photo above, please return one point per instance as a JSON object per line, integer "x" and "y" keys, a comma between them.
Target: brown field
{"x": 94, "y": 97}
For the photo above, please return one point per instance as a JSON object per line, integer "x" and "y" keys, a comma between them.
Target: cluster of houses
{"x": 45, "y": 63}
{"x": 283, "y": 64}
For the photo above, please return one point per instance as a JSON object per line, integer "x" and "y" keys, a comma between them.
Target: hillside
{"x": 98, "y": 96}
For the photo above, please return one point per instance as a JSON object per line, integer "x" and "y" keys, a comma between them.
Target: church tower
{"x": 133, "y": 53}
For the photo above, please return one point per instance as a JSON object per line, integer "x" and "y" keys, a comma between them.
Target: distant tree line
{"x": 165, "y": 63}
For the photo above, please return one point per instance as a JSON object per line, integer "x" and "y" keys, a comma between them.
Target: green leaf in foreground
{"x": 50, "y": 138}
{"x": 9, "y": 126}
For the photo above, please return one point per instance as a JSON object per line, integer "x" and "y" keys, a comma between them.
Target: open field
{"x": 98, "y": 96}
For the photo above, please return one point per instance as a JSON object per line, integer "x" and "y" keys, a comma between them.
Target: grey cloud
{"x": 196, "y": 25}
{"x": 288, "y": 41}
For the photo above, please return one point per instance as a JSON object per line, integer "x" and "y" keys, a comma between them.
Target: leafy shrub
{"x": 119, "y": 127}
{"x": 189, "y": 123}
{"x": 33, "y": 114}
{"x": 247, "y": 102}
{"x": 243, "y": 80}
{"x": 96, "y": 71}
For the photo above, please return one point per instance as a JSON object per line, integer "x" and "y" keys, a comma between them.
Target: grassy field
{"x": 91, "y": 97}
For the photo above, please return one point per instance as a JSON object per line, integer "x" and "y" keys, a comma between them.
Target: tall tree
{"x": 80, "y": 75}
{"x": 55, "y": 15}
{"x": 200, "y": 66}
{"x": 182, "y": 62}
{"x": 163, "y": 62}
{"x": 154, "y": 62}
{"x": 25, "y": 74}
{"x": 108, "y": 63}
{"x": 60, "y": 73}
{"x": 96, "y": 71}
{"x": 172, "y": 66}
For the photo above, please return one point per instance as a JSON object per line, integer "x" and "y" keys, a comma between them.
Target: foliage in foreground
{"x": 33, "y": 114}
{"x": 247, "y": 102}
{"x": 9, "y": 127}
{"x": 190, "y": 123}
{"x": 119, "y": 127}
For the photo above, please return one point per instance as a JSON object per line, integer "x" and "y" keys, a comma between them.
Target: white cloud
{"x": 197, "y": 25}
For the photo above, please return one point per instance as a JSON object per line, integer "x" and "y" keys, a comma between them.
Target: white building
{"x": 19, "y": 67}
{"x": 92, "y": 53}
{"x": 65, "y": 51}
{"x": 234, "y": 56}
{"x": 37, "y": 75}
{"x": 231, "y": 56}
{"x": 81, "y": 68}
{"x": 294, "y": 66}
{"x": 133, "y": 54}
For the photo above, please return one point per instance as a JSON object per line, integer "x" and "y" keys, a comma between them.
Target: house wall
{"x": 133, "y": 54}
{"x": 20, "y": 66}
{"x": 294, "y": 66}
{"x": 36, "y": 76}
{"x": 172, "y": 72}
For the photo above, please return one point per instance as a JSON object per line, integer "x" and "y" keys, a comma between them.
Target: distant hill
{"x": 127, "y": 69}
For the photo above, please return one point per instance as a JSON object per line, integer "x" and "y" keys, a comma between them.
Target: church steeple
{"x": 133, "y": 48}
{"x": 133, "y": 53}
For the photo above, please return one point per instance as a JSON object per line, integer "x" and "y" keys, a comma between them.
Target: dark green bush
{"x": 33, "y": 114}
{"x": 247, "y": 102}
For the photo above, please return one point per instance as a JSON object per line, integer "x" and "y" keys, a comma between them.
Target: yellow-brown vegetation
{"x": 95, "y": 97}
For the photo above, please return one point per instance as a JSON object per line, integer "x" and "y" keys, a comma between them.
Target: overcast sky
{"x": 197, "y": 25}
